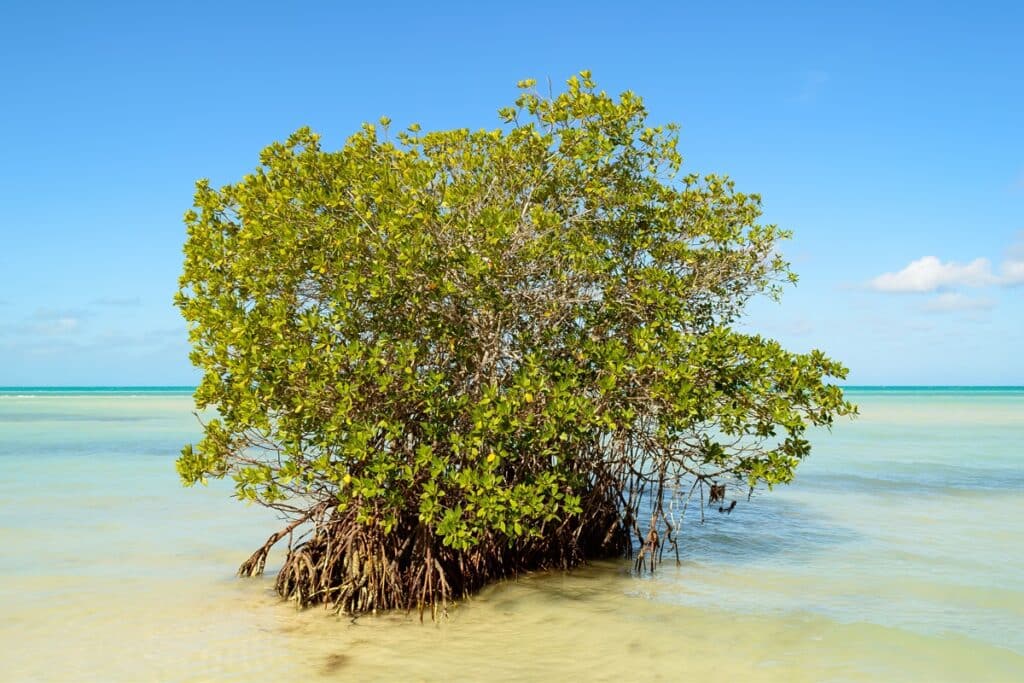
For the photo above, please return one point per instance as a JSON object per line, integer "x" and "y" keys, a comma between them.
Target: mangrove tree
{"x": 449, "y": 357}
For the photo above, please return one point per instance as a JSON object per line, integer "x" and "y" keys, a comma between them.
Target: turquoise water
{"x": 897, "y": 554}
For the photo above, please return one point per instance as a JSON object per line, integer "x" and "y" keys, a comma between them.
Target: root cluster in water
{"x": 356, "y": 568}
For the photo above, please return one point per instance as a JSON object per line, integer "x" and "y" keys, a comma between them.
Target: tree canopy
{"x": 453, "y": 356}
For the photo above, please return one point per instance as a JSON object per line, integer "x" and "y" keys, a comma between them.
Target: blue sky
{"x": 888, "y": 136}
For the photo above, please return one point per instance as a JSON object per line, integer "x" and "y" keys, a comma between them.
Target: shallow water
{"x": 897, "y": 554}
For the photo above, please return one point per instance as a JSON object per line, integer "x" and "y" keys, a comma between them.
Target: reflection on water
{"x": 898, "y": 554}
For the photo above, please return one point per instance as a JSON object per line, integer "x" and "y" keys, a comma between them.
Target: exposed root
{"x": 356, "y": 568}
{"x": 258, "y": 560}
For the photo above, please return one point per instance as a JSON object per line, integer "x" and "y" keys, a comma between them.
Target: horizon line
{"x": 193, "y": 387}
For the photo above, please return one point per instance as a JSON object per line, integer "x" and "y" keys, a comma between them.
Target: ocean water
{"x": 896, "y": 555}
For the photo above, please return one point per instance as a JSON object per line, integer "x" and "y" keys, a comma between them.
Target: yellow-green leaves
{"x": 472, "y": 331}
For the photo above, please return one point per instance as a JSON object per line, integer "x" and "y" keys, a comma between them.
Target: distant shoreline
{"x": 97, "y": 389}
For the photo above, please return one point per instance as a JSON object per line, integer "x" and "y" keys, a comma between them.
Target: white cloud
{"x": 955, "y": 301}
{"x": 928, "y": 274}
{"x": 1012, "y": 269}
{"x": 1012, "y": 272}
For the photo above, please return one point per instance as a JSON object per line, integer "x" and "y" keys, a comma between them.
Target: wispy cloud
{"x": 1017, "y": 184}
{"x": 895, "y": 328}
{"x": 57, "y": 335}
{"x": 56, "y": 326}
{"x": 1012, "y": 268}
{"x": 147, "y": 338}
{"x": 55, "y": 313}
{"x": 46, "y": 323}
{"x": 929, "y": 274}
{"x": 793, "y": 327}
{"x": 955, "y": 301}
{"x": 117, "y": 301}
{"x": 1013, "y": 273}
{"x": 798, "y": 328}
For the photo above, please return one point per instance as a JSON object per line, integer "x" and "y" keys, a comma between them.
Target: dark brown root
{"x": 258, "y": 560}
{"x": 357, "y": 568}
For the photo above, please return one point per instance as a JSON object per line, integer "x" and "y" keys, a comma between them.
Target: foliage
{"x": 462, "y": 354}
